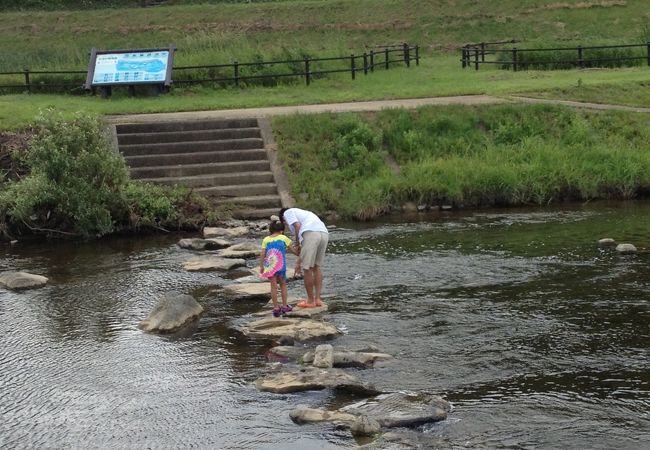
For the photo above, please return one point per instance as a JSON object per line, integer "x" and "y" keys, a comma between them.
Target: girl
{"x": 273, "y": 264}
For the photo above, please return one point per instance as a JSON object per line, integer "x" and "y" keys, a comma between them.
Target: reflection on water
{"x": 538, "y": 338}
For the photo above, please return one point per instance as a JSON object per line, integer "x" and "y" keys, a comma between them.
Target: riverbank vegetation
{"x": 506, "y": 155}
{"x": 65, "y": 180}
{"x": 218, "y": 32}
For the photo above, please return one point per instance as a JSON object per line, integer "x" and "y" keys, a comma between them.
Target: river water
{"x": 537, "y": 338}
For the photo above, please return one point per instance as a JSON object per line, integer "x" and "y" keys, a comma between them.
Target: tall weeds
{"x": 498, "y": 156}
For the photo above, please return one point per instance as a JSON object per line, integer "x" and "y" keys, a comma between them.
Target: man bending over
{"x": 311, "y": 239}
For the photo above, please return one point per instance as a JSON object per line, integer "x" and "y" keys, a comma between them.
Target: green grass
{"x": 630, "y": 93}
{"x": 223, "y": 32}
{"x": 473, "y": 156}
{"x": 438, "y": 76}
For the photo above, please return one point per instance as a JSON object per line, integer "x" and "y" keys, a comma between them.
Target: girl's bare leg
{"x": 283, "y": 291}
{"x": 274, "y": 292}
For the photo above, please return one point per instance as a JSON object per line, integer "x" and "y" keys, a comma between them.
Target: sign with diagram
{"x": 130, "y": 67}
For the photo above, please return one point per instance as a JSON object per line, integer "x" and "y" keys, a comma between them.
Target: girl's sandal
{"x": 277, "y": 312}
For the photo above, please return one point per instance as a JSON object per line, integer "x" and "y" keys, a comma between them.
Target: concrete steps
{"x": 225, "y": 160}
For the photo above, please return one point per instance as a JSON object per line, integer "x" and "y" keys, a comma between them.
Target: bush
{"x": 74, "y": 182}
{"x": 77, "y": 185}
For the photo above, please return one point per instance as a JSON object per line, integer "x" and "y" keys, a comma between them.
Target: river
{"x": 538, "y": 338}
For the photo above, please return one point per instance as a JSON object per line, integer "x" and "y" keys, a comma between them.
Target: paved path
{"x": 586, "y": 105}
{"x": 307, "y": 109}
{"x": 355, "y": 107}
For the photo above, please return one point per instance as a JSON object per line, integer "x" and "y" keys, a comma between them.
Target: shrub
{"x": 77, "y": 185}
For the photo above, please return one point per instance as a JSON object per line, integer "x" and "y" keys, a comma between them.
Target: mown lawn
{"x": 436, "y": 76}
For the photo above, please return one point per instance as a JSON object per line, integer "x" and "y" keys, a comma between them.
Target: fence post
{"x": 386, "y": 56}
{"x": 482, "y": 51}
{"x": 353, "y": 69}
{"x": 463, "y": 56}
{"x": 476, "y": 51}
{"x": 581, "y": 62}
{"x": 372, "y": 60}
{"x": 236, "y": 67}
{"x": 407, "y": 55}
{"x": 648, "y": 45}
{"x": 307, "y": 74}
{"x": 514, "y": 59}
{"x": 417, "y": 55}
{"x": 365, "y": 63}
{"x": 27, "y": 83}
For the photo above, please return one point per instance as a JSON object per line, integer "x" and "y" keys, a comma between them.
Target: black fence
{"x": 236, "y": 73}
{"x": 474, "y": 55}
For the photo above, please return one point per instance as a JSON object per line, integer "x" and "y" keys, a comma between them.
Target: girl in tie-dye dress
{"x": 273, "y": 264}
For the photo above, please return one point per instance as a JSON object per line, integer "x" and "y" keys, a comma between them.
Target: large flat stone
{"x": 172, "y": 312}
{"x": 22, "y": 280}
{"x": 212, "y": 263}
{"x": 313, "y": 379}
{"x": 249, "y": 290}
{"x": 401, "y": 409}
{"x": 211, "y": 232}
{"x": 296, "y": 329}
{"x": 203, "y": 244}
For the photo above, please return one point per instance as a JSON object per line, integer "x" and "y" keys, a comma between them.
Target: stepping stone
{"x": 203, "y": 244}
{"x": 313, "y": 379}
{"x": 401, "y": 409}
{"x": 22, "y": 280}
{"x": 297, "y": 329}
{"x": 249, "y": 290}
{"x": 172, "y": 312}
{"x": 212, "y": 263}
{"x": 246, "y": 254}
{"x": 211, "y": 232}
{"x": 626, "y": 249}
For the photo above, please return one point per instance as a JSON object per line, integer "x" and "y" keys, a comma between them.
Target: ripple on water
{"x": 538, "y": 338}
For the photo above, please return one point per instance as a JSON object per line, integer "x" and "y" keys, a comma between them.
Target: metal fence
{"x": 235, "y": 73}
{"x": 555, "y": 58}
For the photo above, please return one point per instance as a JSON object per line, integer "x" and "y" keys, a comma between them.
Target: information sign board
{"x": 130, "y": 67}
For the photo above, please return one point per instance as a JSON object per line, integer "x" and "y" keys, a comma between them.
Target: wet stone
{"x": 212, "y": 232}
{"x": 21, "y": 280}
{"x": 314, "y": 379}
{"x": 606, "y": 243}
{"x": 401, "y": 409}
{"x": 297, "y": 329}
{"x": 212, "y": 263}
{"x": 203, "y": 244}
{"x": 626, "y": 249}
{"x": 249, "y": 290}
{"x": 172, "y": 312}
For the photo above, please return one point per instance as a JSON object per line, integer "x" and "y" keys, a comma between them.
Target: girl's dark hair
{"x": 282, "y": 214}
{"x": 275, "y": 226}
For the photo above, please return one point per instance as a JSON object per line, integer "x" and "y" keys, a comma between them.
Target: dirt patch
{"x": 580, "y": 5}
{"x": 12, "y": 143}
{"x": 258, "y": 26}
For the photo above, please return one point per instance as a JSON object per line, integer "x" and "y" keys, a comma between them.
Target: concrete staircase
{"x": 225, "y": 160}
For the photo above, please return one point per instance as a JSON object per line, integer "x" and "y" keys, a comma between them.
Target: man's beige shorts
{"x": 312, "y": 250}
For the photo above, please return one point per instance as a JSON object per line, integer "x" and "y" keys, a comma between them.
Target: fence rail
{"x": 235, "y": 72}
{"x": 522, "y": 59}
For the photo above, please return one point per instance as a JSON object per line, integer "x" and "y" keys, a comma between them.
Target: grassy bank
{"x": 436, "y": 76}
{"x": 241, "y": 31}
{"x": 631, "y": 94}
{"x": 487, "y": 156}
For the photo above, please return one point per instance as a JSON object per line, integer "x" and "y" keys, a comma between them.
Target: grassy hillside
{"x": 472, "y": 156}
{"x": 228, "y": 31}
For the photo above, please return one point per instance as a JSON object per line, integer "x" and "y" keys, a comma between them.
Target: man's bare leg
{"x": 309, "y": 278}
{"x": 318, "y": 284}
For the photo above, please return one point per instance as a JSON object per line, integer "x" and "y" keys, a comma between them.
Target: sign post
{"x": 108, "y": 68}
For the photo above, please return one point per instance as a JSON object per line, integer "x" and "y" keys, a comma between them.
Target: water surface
{"x": 537, "y": 338}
